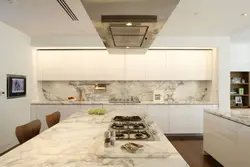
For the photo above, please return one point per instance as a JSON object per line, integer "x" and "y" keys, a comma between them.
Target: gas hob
{"x": 130, "y": 128}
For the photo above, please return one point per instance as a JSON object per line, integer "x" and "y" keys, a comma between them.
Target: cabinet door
{"x": 114, "y": 68}
{"x": 99, "y": 65}
{"x": 135, "y": 67}
{"x": 159, "y": 114}
{"x": 186, "y": 118}
{"x": 79, "y": 65}
{"x": 85, "y": 108}
{"x": 140, "y": 110}
{"x": 189, "y": 64}
{"x": 114, "y": 108}
{"x": 155, "y": 65}
{"x": 33, "y": 110}
{"x": 67, "y": 110}
{"x": 60, "y": 65}
{"x": 243, "y": 149}
{"x": 221, "y": 138}
{"x": 42, "y": 111}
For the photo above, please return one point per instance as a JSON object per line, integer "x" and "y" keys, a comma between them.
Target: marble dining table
{"x": 78, "y": 142}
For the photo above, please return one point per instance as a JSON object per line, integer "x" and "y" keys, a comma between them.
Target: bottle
{"x": 112, "y": 138}
{"x": 107, "y": 141}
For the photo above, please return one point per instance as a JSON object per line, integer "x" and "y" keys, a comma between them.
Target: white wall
{"x": 67, "y": 41}
{"x": 15, "y": 58}
{"x": 240, "y": 56}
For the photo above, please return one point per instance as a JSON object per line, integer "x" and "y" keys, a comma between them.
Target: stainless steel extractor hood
{"x": 129, "y": 26}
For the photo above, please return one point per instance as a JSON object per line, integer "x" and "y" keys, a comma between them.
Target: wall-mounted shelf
{"x": 239, "y": 83}
{"x": 239, "y": 106}
{"x": 239, "y": 95}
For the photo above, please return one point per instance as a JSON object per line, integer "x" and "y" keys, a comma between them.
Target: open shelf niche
{"x": 239, "y": 89}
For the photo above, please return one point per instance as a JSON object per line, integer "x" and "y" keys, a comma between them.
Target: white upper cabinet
{"x": 155, "y": 65}
{"x": 135, "y": 67}
{"x": 79, "y": 65}
{"x": 56, "y": 65}
{"x": 189, "y": 64}
{"x": 100, "y": 65}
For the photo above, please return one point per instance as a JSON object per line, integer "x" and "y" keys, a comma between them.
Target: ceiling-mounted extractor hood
{"x": 129, "y": 25}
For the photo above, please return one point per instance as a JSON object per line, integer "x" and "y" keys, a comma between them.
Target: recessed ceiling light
{"x": 244, "y": 14}
{"x": 129, "y": 24}
{"x": 127, "y": 47}
{"x": 12, "y": 1}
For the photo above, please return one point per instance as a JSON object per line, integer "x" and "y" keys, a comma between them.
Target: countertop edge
{"x": 107, "y": 103}
{"x": 241, "y": 121}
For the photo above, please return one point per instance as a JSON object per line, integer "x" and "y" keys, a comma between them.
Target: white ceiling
{"x": 215, "y": 18}
{"x": 47, "y": 18}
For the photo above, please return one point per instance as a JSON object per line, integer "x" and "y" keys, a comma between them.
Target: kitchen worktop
{"x": 239, "y": 116}
{"x": 108, "y": 103}
{"x": 78, "y": 141}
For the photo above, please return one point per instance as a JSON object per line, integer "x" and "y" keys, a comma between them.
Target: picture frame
{"x": 16, "y": 86}
{"x": 238, "y": 100}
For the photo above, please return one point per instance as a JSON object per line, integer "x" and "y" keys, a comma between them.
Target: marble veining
{"x": 78, "y": 140}
{"x": 242, "y": 117}
{"x": 174, "y": 91}
{"x": 108, "y": 103}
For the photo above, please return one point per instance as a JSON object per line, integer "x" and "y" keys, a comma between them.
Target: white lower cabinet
{"x": 87, "y": 107}
{"x": 226, "y": 141}
{"x": 40, "y": 112}
{"x": 160, "y": 114}
{"x": 140, "y": 110}
{"x": 186, "y": 119}
{"x": 243, "y": 149}
{"x": 173, "y": 119}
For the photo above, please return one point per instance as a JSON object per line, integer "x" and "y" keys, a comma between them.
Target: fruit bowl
{"x": 97, "y": 111}
{"x": 71, "y": 99}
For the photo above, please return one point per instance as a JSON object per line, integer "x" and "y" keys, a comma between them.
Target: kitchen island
{"x": 78, "y": 141}
{"x": 171, "y": 118}
{"x": 227, "y": 135}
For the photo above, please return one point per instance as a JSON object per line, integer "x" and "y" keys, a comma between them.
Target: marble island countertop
{"x": 78, "y": 141}
{"x": 108, "y": 103}
{"x": 239, "y": 116}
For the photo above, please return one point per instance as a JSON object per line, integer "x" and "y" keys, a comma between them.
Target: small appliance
{"x": 158, "y": 96}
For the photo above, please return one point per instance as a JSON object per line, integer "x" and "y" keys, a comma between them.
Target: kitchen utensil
{"x": 131, "y": 147}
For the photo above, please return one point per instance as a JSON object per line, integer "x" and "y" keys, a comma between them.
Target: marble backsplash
{"x": 174, "y": 91}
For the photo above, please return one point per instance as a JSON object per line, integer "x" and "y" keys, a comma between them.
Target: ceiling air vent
{"x": 67, "y": 9}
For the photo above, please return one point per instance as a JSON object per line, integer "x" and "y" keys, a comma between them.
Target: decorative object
{"x": 241, "y": 91}
{"x": 238, "y": 100}
{"x": 243, "y": 81}
{"x": 158, "y": 96}
{"x": 71, "y": 99}
{"x": 236, "y": 80}
{"x": 100, "y": 88}
{"x": 131, "y": 147}
{"x": 16, "y": 86}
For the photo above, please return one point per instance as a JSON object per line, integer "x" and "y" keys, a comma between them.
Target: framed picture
{"x": 16, "y": 86}
{"x": 238, "y": 100}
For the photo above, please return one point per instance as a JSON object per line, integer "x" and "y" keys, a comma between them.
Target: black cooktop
{"x": 127, "y": 118}
{"x": 128, "y": 126}
{"x": 132, "y": 135}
